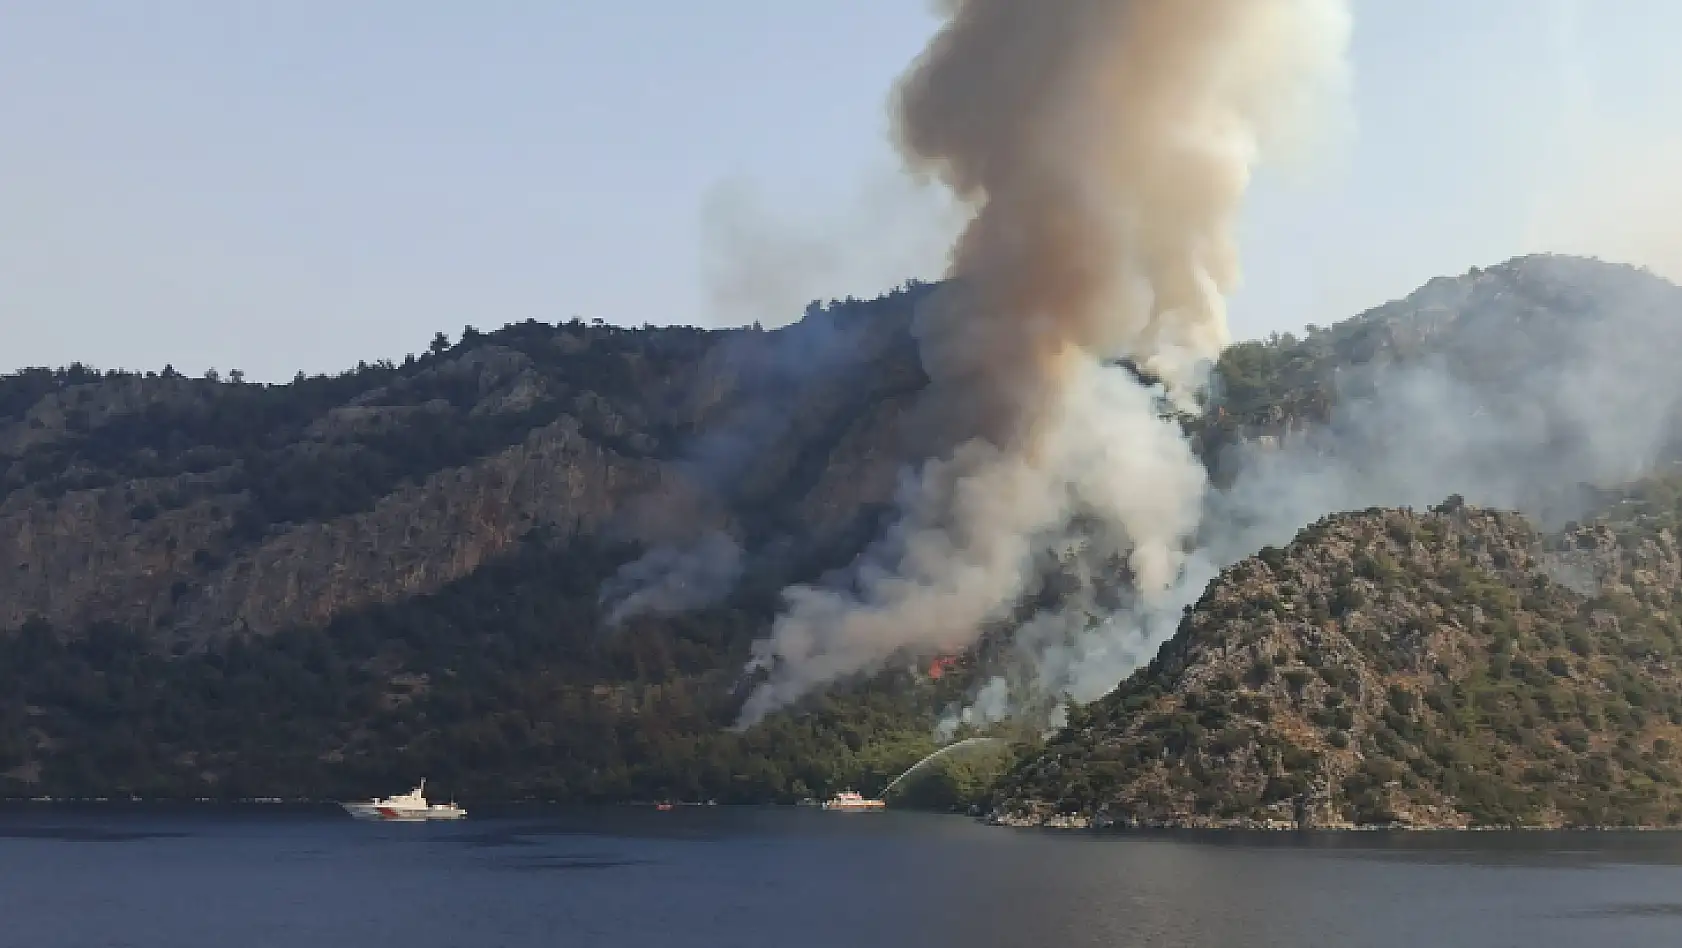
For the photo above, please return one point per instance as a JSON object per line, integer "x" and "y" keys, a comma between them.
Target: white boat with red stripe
{"x": 851, "y": 800}
{"x": 408, "y": 807}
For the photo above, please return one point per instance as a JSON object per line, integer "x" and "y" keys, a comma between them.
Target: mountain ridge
{"x": 404, "y": 562}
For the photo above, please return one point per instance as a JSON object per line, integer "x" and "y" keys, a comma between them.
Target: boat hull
{"x": 375, "y": 812}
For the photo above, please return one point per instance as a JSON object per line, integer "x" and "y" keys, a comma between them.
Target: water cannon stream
{"x": 919, "y": 765}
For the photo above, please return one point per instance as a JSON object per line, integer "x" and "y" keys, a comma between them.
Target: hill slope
{"x": 222, "y": 588}
{"x": 213, "y": 586}
{"x": 1429, "y": 670}
{"x": 198, "y": 507}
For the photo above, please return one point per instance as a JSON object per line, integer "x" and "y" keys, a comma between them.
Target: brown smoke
{"x": 1105, "y": 147}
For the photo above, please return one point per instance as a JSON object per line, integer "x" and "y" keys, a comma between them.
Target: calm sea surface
{"x": 155, "y": 877}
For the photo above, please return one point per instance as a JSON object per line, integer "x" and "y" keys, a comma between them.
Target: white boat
{"x": 408, "y": 807}
{"x": 851, "y": 800}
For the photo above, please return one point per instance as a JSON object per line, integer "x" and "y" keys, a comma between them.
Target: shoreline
{"x": 1081, "y": 824}
{"x": 1065, "y": 824}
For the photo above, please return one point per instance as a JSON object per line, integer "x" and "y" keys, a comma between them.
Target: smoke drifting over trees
{"x": 1104, "y": 149}
{"x": 1062, "y": 509}
{"x": 1529, "y": 386}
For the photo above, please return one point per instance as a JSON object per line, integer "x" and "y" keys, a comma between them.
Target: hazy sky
{"x": 284, "y": 186}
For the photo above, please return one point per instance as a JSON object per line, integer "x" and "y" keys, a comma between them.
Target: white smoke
{"x": 1560, "y": 378}
{"x": 756, "y": 385}
{"x": 1105, "y": 148}
{"x": 670, "y": 580}
{"x": 991, "y": 704}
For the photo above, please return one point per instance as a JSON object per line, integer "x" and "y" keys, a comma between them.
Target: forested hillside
{"x": 218, "y": 587}
{"x": 1444, "y": 669}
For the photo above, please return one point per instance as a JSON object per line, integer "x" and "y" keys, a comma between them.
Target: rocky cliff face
{"x": 417, "y": 538}
{"x": 198, "y": 508}
{"x": 1392, "y": 667}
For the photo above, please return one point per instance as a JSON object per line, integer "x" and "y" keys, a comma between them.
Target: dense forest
{"x": 500, "y": 682}
{"x": 329, "y": 587}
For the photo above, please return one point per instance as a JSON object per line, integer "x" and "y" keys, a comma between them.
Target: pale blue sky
{"x": 284, "y": 186}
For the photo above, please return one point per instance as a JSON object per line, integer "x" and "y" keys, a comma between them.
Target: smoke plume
{"x": 750, "y": 393}
{"x": 669, "y": 580}
{"x": 1542, "y": 381}
{"x": 1104, "y": 147}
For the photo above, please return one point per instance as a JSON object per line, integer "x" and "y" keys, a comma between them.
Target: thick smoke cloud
{"x": 1556, "y": 377}
{"x": 1104, "y": 147}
